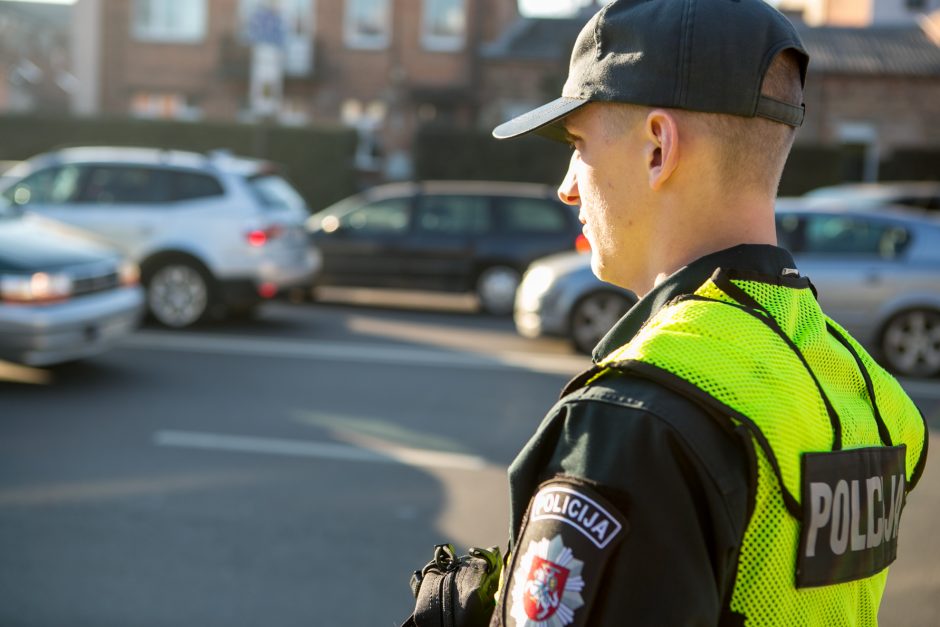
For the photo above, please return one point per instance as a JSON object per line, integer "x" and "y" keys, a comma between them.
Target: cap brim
{"x": 541, "y": 120}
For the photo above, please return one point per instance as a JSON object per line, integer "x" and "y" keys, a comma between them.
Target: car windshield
{"x": 274, "y": 192}
{"x": 8, "y": 210}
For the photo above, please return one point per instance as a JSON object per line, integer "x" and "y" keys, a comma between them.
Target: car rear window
{"x": 532, "y": 215}
{"x": 851, "y": 235}
{"x": 194, "y": 185}
{"x": 274, "y": 192}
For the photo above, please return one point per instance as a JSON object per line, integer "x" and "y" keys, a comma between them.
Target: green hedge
{"x": 318, "y": 160}
{"x": 912, "y": 165}
{"x": 442, "y": 153}
{"x": 809, "y": 167}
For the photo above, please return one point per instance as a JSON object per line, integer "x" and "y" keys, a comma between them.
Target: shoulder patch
{"x": 569, "y": 532}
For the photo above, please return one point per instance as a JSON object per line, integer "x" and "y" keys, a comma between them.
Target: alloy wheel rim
{"x": 594, "y": 317}
{"x": 498, "y": 289}
{"x": 177, "y": 295}
{"x": 912, "y": 343}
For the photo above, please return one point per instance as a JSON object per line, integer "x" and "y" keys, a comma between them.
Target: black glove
{"x": 456, "y": 591}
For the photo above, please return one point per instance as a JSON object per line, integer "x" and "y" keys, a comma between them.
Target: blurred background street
{"x": 276, "y": 311}
{"x": 290, "y": 470}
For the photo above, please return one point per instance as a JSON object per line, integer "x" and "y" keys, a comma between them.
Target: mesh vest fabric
{"x": 715, "y": 346}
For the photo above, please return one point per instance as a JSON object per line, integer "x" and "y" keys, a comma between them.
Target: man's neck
{"x": 710, "y": 229}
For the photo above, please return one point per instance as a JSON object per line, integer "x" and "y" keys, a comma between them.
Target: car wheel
{"x": 178, "y": 294}
{"x": 593, "y": 316}
{"x": 910, "y": 343}
{"x": 496, "y": 289}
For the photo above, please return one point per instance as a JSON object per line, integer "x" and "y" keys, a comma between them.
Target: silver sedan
{"x": 878, "y": 275}
{"x": 877, "y": 272}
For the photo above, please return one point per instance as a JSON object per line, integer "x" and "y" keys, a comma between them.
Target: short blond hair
{"x": 751, "y": 151}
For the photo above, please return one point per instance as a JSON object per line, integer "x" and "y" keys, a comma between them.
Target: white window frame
{"x": 442, "y": 43}
{"x": 365, "y": 41}
{"x": 150, "y": 21}
{"x": 863, "y": 134}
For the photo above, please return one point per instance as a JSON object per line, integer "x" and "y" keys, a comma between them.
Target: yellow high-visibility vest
{"x": 813, "y": 404}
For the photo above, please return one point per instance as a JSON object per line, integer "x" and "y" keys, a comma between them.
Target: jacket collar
{"x": 758, "y": 258}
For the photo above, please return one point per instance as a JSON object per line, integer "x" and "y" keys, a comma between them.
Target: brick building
{"x": 873, "y": 87}
{"x": 34, "y": 63}
{"x": 383, "y": 66}
{"x": 388, "y": 67}
{"x": 860, "y": 13}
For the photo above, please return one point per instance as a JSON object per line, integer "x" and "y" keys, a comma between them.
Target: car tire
{"x": 593, "y": 316}
{"x": 910, "y": 343}
{"x": 179, "y": 294}
{"x": 496, "y": 289}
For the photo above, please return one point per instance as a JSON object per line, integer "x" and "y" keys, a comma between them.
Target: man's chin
{"x": 609, "y": 274}
{"x": 601, "y": 270}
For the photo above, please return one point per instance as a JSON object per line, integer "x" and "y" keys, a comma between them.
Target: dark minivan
{"x": 454, "y": 236}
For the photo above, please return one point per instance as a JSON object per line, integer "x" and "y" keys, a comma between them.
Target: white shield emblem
{"x": 547, "y": 585}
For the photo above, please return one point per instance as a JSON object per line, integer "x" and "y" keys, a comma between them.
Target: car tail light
{"x": 582, "y": 245}
{"x": 267, "y": 290}
{"x": 260, "y": 237}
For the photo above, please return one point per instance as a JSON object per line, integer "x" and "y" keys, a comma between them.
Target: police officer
{"x": 733, "y": 457}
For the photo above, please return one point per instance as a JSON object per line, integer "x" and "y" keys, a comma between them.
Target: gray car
{"x": 923, "y": 195}
{"x": 878, "y": 275}
{"x": 560, "y": 296}
{"x": 63, "y": 296}
{"x": 877, "y": 272}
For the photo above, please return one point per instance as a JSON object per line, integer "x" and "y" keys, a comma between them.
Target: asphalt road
{"x": 290, "y": 470}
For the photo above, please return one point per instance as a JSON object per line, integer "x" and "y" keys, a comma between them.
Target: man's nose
{"x": 568, "y": 190}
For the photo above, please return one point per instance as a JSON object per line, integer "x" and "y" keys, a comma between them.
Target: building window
{"x": 368, "y": 24}
{"x": 176, "y": 21}
{"x": 444, "y": 25}
{"x": 288, "y": 24}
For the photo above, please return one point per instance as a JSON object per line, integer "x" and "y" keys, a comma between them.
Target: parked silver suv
{"x": 211, "y": 233}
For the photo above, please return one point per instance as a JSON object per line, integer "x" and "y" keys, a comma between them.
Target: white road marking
{"x": 323, "y": 450}
{"x": 355, "y": 352}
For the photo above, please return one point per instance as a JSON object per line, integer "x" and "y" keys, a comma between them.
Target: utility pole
{"x": 266, "y": 86}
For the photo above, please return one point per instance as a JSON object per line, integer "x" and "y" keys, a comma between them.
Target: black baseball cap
{"x": 700, "y": 55}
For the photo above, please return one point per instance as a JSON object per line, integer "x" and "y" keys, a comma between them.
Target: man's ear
{"x": 662, "y": 135}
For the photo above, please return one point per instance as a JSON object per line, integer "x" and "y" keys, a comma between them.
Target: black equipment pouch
{"x": 456, "y": 591}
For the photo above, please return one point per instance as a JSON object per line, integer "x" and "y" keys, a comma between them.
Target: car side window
{"x": 790, "y": 232}
{"x": 532, "y": 215}
{"x": 383, "y": 216}
{"x": 127, "y": 185}
{"x": 454, "y": 215}
{"x": 194, "y": 185}
{"x": 849, "y": 235}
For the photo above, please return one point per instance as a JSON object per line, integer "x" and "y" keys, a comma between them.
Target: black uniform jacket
{"x": 630, "y": 501}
